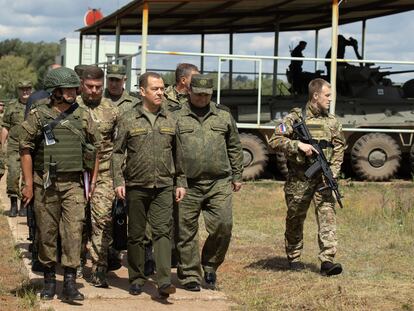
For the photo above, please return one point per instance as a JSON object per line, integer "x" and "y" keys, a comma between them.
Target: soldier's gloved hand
{"x": 179, "y": 194}
{"x": 120, "y": 192}
{"x": 236, "y": 186}
{"x": 119, "y": 208}
{"x": 27, "y": 194}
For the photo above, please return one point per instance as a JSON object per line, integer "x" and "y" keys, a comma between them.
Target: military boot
{"x": 13, "y": 207}
{"x": 70, "y": 292}
{"x": 99, "y": 277}
{"x": 22, "y": 210}
{"x": 329, "y": 268}
{"x": 49, "y": 287}
{"x": 79, "y": 270}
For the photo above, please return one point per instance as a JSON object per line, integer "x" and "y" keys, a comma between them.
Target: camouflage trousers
{"x": 13, "y": 171}
{"x": 214, "y": 200}
{"x": 298, "y": 194}
{"x": 101, "y": 208}
{"x": 59, "y": 210}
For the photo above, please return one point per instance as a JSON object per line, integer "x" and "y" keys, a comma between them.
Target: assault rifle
{"x": 321, "y": 164}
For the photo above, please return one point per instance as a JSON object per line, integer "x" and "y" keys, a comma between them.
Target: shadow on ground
{"x": 278, "y": 264}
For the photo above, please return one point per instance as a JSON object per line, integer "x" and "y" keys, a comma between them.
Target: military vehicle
{"x": 375, "y": 113}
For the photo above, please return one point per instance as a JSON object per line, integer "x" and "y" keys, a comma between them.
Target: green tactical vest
{"x": 67, "y": 151}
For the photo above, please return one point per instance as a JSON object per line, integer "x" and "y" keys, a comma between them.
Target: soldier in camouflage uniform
{"x": 176, "y": 95}
{"x": 115, "y": 80}
{"x": 105, "y": 115}
{"x": 299, "y": 190}
{"x": 55, "y": 147}
{"x": 2, "y": 157}
{"x": 12, "y": 119}
{"x": 153, "y": 161}
{"x": 213, "y": 163}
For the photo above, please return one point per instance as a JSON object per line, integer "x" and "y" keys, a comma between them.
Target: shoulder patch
{"x": 223, "y": 107}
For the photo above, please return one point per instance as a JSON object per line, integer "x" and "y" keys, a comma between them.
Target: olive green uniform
{"x": 300, "y": 191}
{"x": 60, "y": 208}
{"x": 124, "y": 103}
{"x": 213, "y": 159}
{"x": 105, "y": 116}
{"x": 2, "y": 157}
{"x": 12, "y": 119}
{"x": 153, "y": 163}
{"x": 174, "y": 98}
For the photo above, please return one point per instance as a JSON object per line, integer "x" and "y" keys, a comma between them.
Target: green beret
{"x": 115, "y": 71}
{"x": 201, "y": 84}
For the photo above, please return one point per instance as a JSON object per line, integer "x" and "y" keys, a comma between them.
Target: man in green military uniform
{"x": 105, "y": 115}
{"x": 300, "y": 190}
{"x": 147, "y": 134}
{"x": 213, "y": 163}
{"x": 115, "y": 81}
{"x": 56, "y": 150}
{"x": 12, "y": 119}
{"x": 177, "y": 94}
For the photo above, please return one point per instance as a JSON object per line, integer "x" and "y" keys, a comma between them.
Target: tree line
{"x": 24, "y": 60}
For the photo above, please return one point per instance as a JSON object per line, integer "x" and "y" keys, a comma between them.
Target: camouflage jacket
{"x": 321, "y": 127}
{"x": 12, "y": 119}
{"x": 211, "y": 148}
{"x": 173, "y": 98}
{"x": 124, "y": 103}
{"x": 153, "y": 153}
{"x": 105, "y": 116}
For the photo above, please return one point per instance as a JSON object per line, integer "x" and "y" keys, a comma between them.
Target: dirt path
{"x": 116, "y": 297}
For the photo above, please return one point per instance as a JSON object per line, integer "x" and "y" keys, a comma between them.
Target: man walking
{"x": 300, "y": 190}
{"x": 55, "y": 147}
{"x": 213, "y": 164}
{"x": 153, "y": 162}
{"x": 12, "y": 119}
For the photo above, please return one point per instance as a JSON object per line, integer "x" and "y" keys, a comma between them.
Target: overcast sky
{"x": 51, "y": 20}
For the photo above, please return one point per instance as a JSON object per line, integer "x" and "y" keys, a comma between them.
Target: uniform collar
{"x": 140, "y": 111}
{"x": 313, "y": 112}
{"x": 187, "y": 109}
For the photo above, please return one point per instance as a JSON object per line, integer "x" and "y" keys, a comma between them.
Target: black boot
{"x": 49, "y": 288}
{"x": 70, "y": 292}
{"x": 329, "y": 268}
{"x": 13, "y": 207}
{"x": 22, "y": 210}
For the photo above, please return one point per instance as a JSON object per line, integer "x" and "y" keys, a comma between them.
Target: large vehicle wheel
{"x": 255, "y": 156}
{"x": 375, "y": 157}
{"x": 412, "y": 159}
{"x": 281, "y": 163}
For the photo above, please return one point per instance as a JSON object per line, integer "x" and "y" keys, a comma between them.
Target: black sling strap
{"x": 63, "y": 115}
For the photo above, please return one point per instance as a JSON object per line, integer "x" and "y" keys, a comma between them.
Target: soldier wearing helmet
{"x": 13, "y": 117}
{"x": 56, "y": 149}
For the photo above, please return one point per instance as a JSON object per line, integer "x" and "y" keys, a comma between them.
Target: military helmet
{"x": 62, "y": 77}
{"x": 24, "y": 84}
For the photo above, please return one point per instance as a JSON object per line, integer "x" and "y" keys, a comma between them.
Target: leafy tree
{"x": 12, "y": 69}
{"x": 40, "y": 55}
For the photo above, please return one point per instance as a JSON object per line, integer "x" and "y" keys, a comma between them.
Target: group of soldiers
{"x": 169, "y": 156}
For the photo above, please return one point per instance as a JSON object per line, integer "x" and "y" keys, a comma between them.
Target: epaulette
{"x": 223, "y": 107}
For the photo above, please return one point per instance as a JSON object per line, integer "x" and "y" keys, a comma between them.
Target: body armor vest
{"x": 67, "y": 151}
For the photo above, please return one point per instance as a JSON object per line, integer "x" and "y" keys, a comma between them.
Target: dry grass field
{"x": 376, "y": 247}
